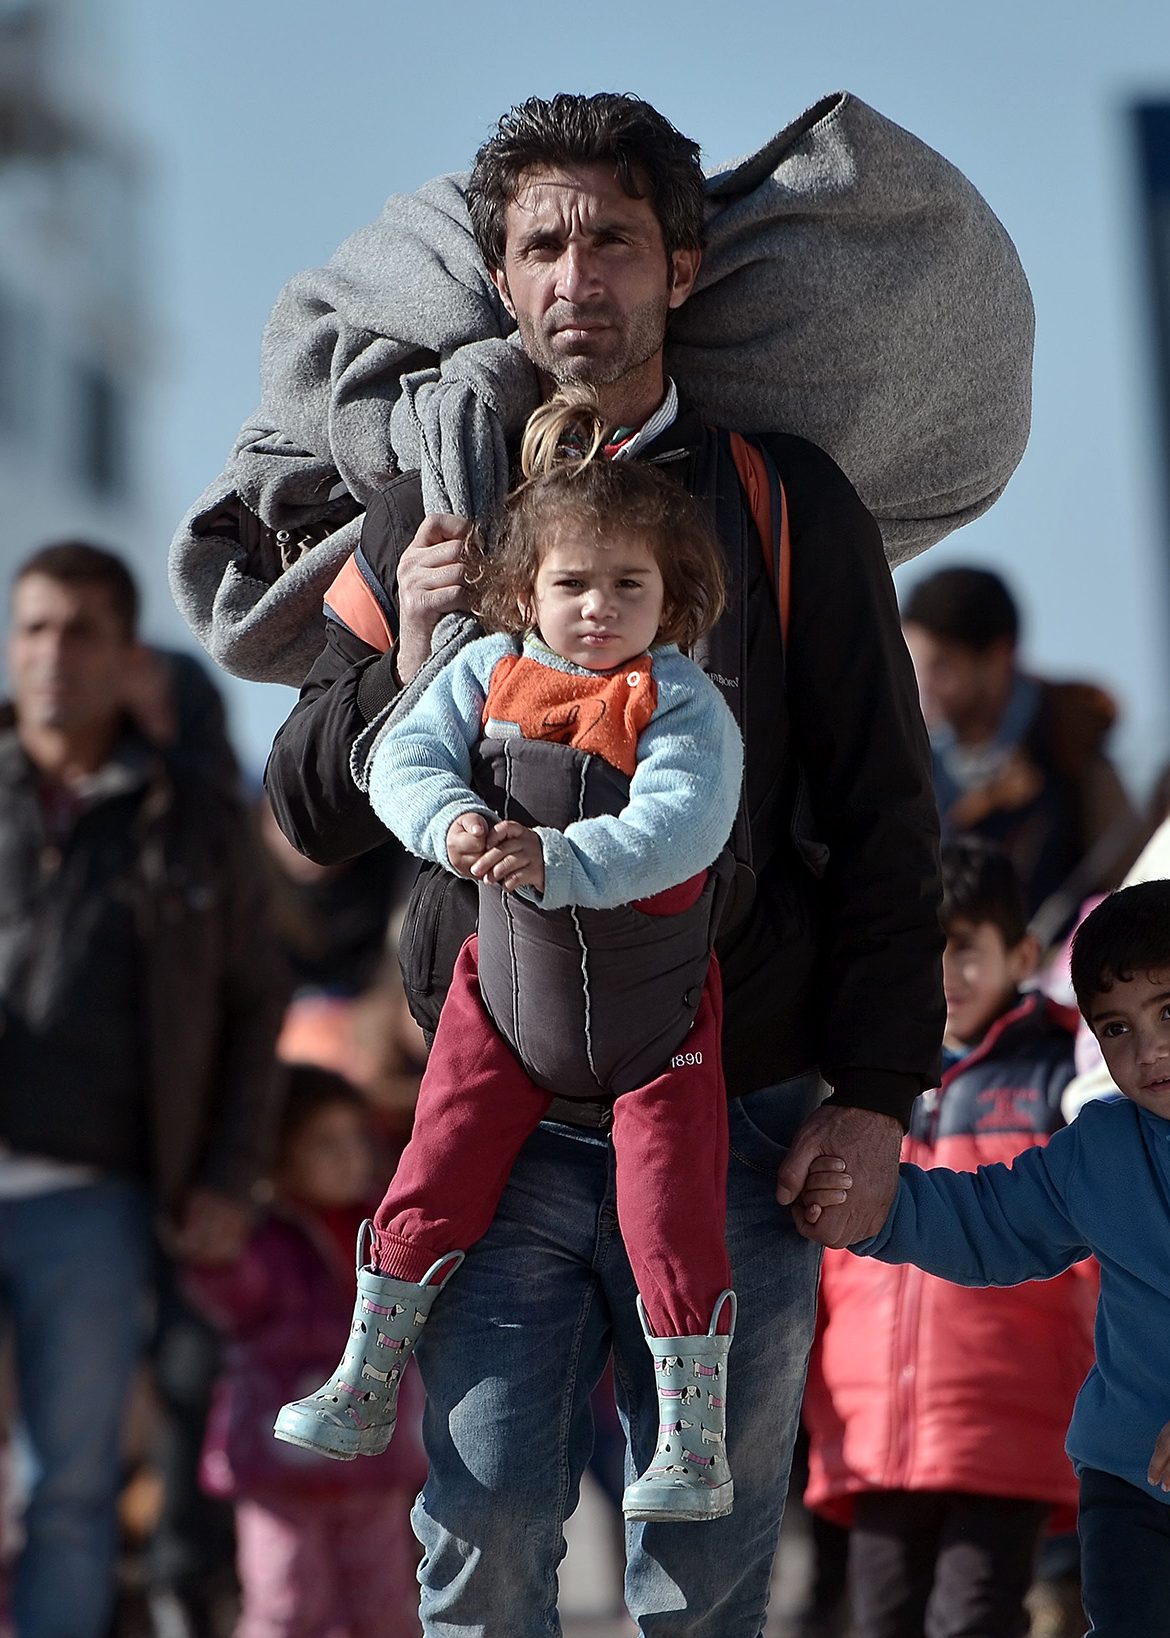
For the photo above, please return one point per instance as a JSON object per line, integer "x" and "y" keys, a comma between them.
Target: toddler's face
{"x": 1131, "y": 1021}
{"x": 598, "y": 606}
{"x": 330, "y": 1161}
{"x": 980, "y": 976}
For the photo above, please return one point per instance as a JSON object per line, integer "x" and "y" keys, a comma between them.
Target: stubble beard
{"x": 639, "y": 340}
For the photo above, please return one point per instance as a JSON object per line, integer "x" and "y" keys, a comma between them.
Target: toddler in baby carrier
{"x": 586, "y": 774}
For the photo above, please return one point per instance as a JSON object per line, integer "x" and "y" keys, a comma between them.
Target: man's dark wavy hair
{"x": 980, "y": 883}
{"x": 1128, "y": 933}
{"x": 80, "y": 563}
{"x": 650, "y": 158}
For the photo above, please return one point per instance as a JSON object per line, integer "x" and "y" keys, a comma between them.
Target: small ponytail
{"x": 568, "y": 431}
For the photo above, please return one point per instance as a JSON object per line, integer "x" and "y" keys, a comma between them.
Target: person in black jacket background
{"x": 140, "y": 997}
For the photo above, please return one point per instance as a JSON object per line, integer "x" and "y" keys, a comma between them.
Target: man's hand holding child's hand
{"x": 508, "y": 854}
{"x": 827, "y": 1184}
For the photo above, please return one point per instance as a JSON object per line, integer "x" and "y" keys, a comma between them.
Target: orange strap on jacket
{"x": 351, "y": 600}
{"x": 752, "y": 466}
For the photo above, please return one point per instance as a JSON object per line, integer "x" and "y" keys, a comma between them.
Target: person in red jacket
{"x": 937, "y": 1413}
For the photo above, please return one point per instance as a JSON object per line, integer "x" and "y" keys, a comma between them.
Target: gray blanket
{"x": 856, "y": 289}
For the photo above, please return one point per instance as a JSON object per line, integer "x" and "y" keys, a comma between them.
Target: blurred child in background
{"x": 325, "y": 1549}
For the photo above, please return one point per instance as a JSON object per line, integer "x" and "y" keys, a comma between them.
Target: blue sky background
{"x": 277, "y": 128}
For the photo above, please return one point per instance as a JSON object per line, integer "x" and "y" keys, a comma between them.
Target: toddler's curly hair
{"x": 568, "y": 482}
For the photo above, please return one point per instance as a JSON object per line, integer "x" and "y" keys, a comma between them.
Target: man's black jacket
{"x": 839, "y": 972}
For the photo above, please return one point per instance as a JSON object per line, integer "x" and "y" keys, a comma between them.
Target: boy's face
{"x": 980, "y": 976}
{"x": 1132, "y": 1024}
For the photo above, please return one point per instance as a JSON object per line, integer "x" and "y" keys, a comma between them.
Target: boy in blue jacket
{"x": 1100, "y": 1187}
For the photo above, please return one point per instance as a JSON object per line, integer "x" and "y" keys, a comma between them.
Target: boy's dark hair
{"x": 980, "y": 883}
{"x": 78, "y": 563}
{"x": 1128, "y": 933}
{"x": 649, "y": 157}
{"x": 964, "y": 605}
{"x": 309, "y": 1090}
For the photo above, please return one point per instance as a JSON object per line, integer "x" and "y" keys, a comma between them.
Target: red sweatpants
{"x": 477, "y": 1106}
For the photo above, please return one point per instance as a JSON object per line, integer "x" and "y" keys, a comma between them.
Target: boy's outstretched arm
{"x": 418, "y": 772}
{"x": 1000, "y": 1225}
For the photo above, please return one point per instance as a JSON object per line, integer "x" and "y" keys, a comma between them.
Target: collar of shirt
{"x": 627, "y": 444}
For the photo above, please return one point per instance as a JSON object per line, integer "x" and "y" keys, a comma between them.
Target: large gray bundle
{"x": 856, "y": 289}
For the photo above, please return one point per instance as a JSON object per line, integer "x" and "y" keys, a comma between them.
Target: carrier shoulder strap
{"x": 769, "y": 507}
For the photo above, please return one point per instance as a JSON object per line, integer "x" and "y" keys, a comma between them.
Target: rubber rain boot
{"x": 688, "y": 1477}
{"x": 354, "y": 1413}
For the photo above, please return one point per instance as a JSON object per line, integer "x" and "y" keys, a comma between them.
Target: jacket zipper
{"x": 906, "y": 1365}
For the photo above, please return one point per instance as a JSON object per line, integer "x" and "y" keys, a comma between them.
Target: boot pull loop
{"x": 723, "y": 1298}
{"x": 365, "y": 1239}
{"x": 452, "y": 1257}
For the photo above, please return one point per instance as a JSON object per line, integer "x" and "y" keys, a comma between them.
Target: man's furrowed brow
{"x": 537, "y": 239}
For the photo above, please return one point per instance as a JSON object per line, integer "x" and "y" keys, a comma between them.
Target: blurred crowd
{"x": 207, "y": 1069}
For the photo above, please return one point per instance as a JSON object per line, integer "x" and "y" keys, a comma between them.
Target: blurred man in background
{"x": 1018, "y": 760}
{"x": 139, "y": 1003}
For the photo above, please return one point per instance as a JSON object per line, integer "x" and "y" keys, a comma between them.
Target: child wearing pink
{"x": 324, "y": 1550}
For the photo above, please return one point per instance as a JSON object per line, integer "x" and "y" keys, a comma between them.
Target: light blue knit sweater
{"x": 683, "y": 795}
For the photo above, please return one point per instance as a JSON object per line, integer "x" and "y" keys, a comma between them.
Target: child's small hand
{"x": 512, "y": 857}
{"x": 1159, "y": 1469}
{"x": 827, "y": 1184}
{"x": 465, "y": 842}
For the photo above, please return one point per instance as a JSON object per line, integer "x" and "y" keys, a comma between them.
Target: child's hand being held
{"x": 827, "y": 1184}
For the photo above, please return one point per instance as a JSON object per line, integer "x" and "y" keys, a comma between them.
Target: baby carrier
{"x": 589, "y": 975}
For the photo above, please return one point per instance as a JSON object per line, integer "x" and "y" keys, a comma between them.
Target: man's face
{"x": 587, "y": 279}
{"x": 1131, "y": 1021}
{"x": 68, "y": 655}
{"x": 958, "y": 685}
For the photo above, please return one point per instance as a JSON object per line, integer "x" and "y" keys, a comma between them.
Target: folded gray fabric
{"x": 453, "y": 632}
{"x": 856, "y": 289}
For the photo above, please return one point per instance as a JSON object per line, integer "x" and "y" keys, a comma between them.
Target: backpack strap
{"x": 769, "y": 507}
{"x": 768, "y": 504}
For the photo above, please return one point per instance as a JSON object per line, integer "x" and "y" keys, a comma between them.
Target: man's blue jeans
{"x": 518, "y": 1340}
{"x": 74, "y": 1269}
